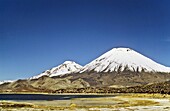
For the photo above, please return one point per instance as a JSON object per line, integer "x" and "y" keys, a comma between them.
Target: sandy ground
{"x": 122, "y": 102}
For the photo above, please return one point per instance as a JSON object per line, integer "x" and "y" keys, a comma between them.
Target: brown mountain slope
{"x": 18, "y": 86}
{"x": 83, "y": 80}
{"x": 125, "y": 78}
{"x": 43, "y": 84}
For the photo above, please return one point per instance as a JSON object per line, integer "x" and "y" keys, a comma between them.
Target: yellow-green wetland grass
{"x": 120, "y": 102}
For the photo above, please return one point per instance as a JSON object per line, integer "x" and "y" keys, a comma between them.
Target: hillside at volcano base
{"x": 119, "y": 68}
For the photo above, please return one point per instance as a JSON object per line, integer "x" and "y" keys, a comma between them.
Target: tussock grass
{"x": 4, "y": 104}
{"x": 137, "y": 95}
{"x": 136, "y": 103}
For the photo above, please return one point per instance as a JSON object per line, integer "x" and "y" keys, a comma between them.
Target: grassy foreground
{"x": 90, "y": 104}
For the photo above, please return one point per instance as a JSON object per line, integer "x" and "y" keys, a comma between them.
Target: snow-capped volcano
{"x": 66, "y": 68}
{"x": 119, "y": 59}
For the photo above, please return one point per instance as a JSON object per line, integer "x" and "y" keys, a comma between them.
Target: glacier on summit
{"x": 120, "y": 59}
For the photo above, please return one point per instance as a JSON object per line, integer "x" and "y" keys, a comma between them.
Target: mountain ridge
{"x": 118, "y": 67}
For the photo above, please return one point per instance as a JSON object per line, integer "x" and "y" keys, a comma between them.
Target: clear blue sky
{"x": 36, "y": 35}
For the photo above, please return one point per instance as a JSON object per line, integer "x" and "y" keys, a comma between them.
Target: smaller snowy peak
{"x": 6, "y": 81}
{"x": 120, "y": 59}
{"x": 65, "y": 68}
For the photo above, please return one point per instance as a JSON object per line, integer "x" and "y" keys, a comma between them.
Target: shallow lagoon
{"x": 47, "y": 97}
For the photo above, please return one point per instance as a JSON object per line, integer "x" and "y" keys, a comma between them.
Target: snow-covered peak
{"x": 6, "y": 81}
{"x": 119, "y": 59}
{"x": 66, "y": 68}
{"x": 68, "y": 62}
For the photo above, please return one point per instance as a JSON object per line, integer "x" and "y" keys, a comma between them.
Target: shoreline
{"x": 58, "y": 93}
{"x": 114, "y": 94}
